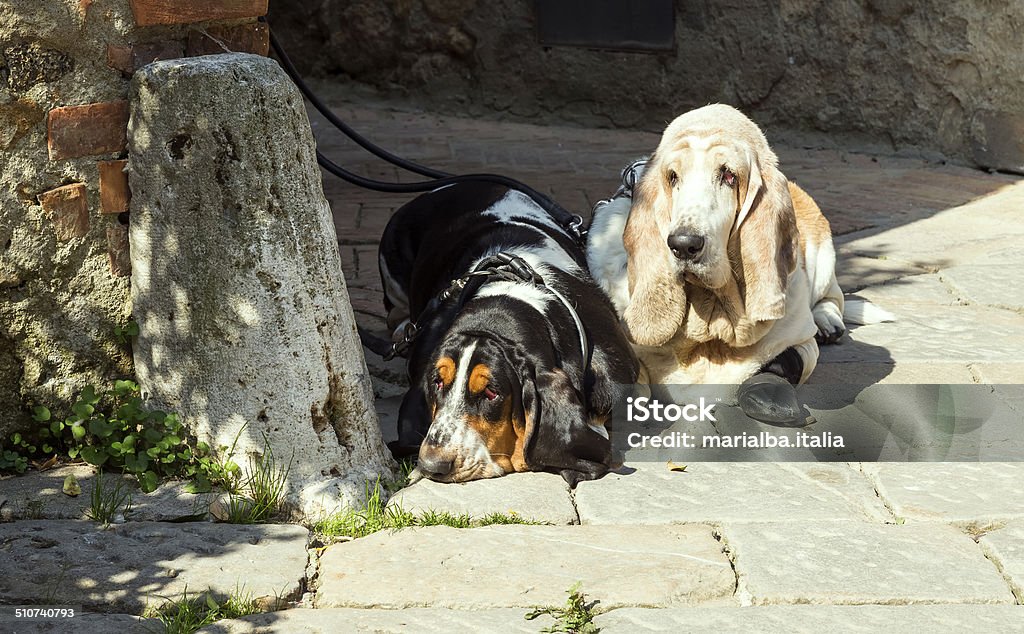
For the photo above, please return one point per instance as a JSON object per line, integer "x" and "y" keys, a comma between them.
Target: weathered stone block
{"x": 68, "y": 209}
{"x": 125, "y": 567}
{"x": 997, "y": 140}
{"x": 245, "y": 325}
{"x": 97, "y": 128}
{"x": 860, "y": 563}
{"x": 1005, "y": 547}
{"x": 153, "y": 12}
{"x": 524, "y": 566}
{"x": 541, "y": 497}
{"x": 29, "y": 64}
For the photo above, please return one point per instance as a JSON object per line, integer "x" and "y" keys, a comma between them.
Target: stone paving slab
{"x": 541, "y": 497}
{"x": 992, "y": 279}
{"x": 850, "y": 563}
{"x": 900, "y": 373}
{"x": 729, "y": 492}
{"x": 39, "y": 495}
{"x": 814, "y": 619}
{"x": 129, "y": 566}
{"x": 84, "y": 624}
{"x": 1005, "y": 547}
{"x": 910, "y": 291}
{"x": 927, "y": 332}
{"x": 525, "y": 566}
{"x": 965, "y": 494}
{"x": 419, "y": 620}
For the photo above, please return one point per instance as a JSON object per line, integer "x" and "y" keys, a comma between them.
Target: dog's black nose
{"x": 686, "y": 247}
{"x": 434, "y": 467}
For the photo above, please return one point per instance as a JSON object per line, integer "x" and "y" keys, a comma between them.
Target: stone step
{"x": 128, "y": 567}
{"x": 968, "y": 495}
{"x": 539, "y": 497}
{"x": 729, "y": 492}
{"x": 814, "y": 619}
{"x": 850, "y": 563}
{"x": 526, "y": 566}
{"x": 419, "y": 620}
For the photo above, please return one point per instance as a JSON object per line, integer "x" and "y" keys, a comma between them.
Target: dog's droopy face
{"x": 478, "y": 424}
{"x": 701, "y": 182}
{"x": 711, "y": 209}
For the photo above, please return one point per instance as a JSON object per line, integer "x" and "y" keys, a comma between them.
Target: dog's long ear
{"x": 656, "y": 301}
{"x": 557, "y": 434}
{"x": 767, "y": 240}
{"x": 753, "y": 186}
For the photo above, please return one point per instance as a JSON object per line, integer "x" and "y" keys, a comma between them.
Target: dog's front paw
{"x": 771, "y": 399}
{"x": 829, "y": 321}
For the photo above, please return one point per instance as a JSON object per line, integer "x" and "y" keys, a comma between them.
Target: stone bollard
{"x": 245, "y": 327}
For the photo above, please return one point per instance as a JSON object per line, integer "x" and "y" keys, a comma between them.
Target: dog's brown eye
{"x": 673, "y": 178}
{"x": 728, "y": 177}
{"x": 490, "y": 394}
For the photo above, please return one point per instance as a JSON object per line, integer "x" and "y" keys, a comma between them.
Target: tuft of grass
{"x": 405, "y": 467}
{"x": 375, "y": 515}
{"x": 574, "y": 617}
{"x": 105, "y": 503}
{"x": 186, "y": 615}
{"x": 260, "y": 496}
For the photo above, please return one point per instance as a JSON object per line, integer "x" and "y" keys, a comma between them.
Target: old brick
{"x": 118, "y": 250}
{"x": 96, "y": 128}
{"x": 244, "y": 38}
{"x": 143, "y": 54}
{"x": 114, "y": 192}
{"x": 152, "y": 12}
{"x": 68, "y": 209}
{"x": 120, "y": 58}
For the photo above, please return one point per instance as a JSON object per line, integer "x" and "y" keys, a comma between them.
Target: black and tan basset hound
{"x": 517, "y": 356}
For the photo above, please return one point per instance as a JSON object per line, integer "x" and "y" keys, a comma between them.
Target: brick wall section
{"x": 156, "y": 12}
{"x": 89, "y": 130}
{"x": 114, "y": 192}
{"x": 68, "y": 209}
{"x": 100, "y": 129}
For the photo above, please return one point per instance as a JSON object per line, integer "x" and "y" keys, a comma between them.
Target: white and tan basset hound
{"x": 719, "y": 267}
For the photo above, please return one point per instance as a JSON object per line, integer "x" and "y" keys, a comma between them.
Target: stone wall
{"x": 941, "y": 78}
{"x": 64, "y": 265}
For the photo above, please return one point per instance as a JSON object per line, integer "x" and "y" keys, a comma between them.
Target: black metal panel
{"x": 639, "y": 25}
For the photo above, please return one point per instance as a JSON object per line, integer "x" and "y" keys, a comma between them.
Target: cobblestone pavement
{"x": 799, "y": 547}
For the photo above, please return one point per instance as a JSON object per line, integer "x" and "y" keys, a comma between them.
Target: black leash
{"x": 571, "y": 223}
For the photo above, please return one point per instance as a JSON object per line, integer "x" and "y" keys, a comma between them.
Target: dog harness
{"x": 501, "y": 267}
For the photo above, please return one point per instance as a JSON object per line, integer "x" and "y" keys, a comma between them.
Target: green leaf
{"x": 136, "y": 463}
{"x": 73, "y": 452}
{"x": 56, "y": 426}
{"x": 89, "y": 395}
{"x": 16, "y": 438}
{"x": 100, "y": 427}
{"x": 82, "y": 410}
{"x": 94, "y": 455}
{"x": 132, "y": 329}
{"x": 201, "y": 484}
{"x": 47, "y": 448}
{"x": 129, "y": 442}
{"x": 148, "y": 481}
{"x": 78, "y": 432}
{"x": 40, "y": 413}
{"x": 152, "y": 436}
